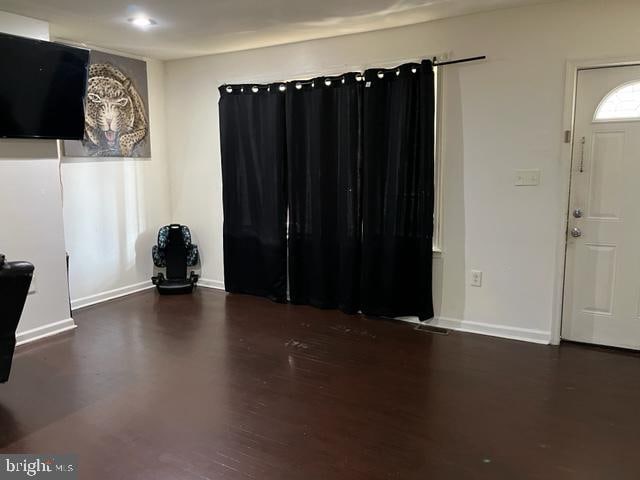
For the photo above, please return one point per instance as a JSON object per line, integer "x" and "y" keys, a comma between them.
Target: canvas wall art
{"x": 116, "y": 109}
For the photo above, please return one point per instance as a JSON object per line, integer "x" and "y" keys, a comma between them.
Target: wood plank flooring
{"x": 216, "y": 386}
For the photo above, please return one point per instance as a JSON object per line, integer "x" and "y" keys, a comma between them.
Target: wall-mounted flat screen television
{"x": 42, "y": 89}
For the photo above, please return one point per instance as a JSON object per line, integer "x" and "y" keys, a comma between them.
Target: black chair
{"x": 175, "y": 253}
{"x": 15, "y": 278}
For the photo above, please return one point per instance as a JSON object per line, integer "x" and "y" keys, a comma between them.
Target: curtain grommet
{"x": 282, "y": 88}
{"x": 414, "y": 70}
{"x": 327, "y": 82}
{"x": 254, "y": 89}
{"x": 380, "y": 74}
{"x": 229, "y": 89}
{"x": 298, "y": 86}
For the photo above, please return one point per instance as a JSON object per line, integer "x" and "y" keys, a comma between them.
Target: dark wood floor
{"x": 212, "y": 386}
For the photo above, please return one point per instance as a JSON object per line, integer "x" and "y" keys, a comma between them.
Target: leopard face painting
{"x": 115, "y": 119}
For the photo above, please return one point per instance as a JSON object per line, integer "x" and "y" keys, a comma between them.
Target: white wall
{"x": 113, "y": 209}
{"x": 23, "y": 26}
{"x": 500, "y": 115}
{"x": 31, "y": 213}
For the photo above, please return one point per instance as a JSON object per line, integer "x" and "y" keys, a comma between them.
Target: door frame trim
{"x": 573, "y": 66}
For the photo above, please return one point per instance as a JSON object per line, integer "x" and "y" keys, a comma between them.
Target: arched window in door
{"x": 621, "y": 104}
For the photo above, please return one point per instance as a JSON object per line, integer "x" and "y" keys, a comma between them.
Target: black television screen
{"x": 42, "y": 89}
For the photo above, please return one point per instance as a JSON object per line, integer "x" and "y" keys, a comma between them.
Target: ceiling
{"x": 187, "y": 28}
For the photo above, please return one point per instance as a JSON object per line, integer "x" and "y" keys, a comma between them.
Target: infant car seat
{"x": 175, "y": 252}
{"x": 15, "y": 278}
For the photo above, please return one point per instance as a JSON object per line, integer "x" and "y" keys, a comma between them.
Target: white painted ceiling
{"x": 187, "y": 28}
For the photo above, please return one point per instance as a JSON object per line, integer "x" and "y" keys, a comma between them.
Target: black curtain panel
{"x": 350, "y": 160}
{"x": 324, "y": 149}
{"x": 253, "y": 148}
{"x": 398, "y": 191}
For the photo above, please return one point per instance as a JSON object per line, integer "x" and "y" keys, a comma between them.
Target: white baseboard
{"x": 44, "y": 331}
{"x": 110, "y": 295}
{"x": 490, "y": 329}
{"x": 207, "y": 283}
{"x": 493, "y": 330}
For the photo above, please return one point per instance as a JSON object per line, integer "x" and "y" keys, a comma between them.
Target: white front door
{"x": 602, "y": 277}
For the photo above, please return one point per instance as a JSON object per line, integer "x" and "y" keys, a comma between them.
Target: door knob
{"x": 576, "y": 232}
{"x": 577, "y": 213}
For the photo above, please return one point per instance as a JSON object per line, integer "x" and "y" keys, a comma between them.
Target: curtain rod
{"x": 436, "y": 63}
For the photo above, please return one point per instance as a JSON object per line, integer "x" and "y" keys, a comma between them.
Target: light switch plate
{"x": 527, "y": 178}
{"x": 476, "y": 278}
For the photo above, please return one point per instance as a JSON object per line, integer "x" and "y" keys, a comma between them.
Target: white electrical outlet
{"x": 33, "y": 287}
{"x": 527, "y": 178}
{"x": 476, "y": 278}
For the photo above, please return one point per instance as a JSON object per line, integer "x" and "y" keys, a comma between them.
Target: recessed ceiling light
{"x": 142, "y": 21}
